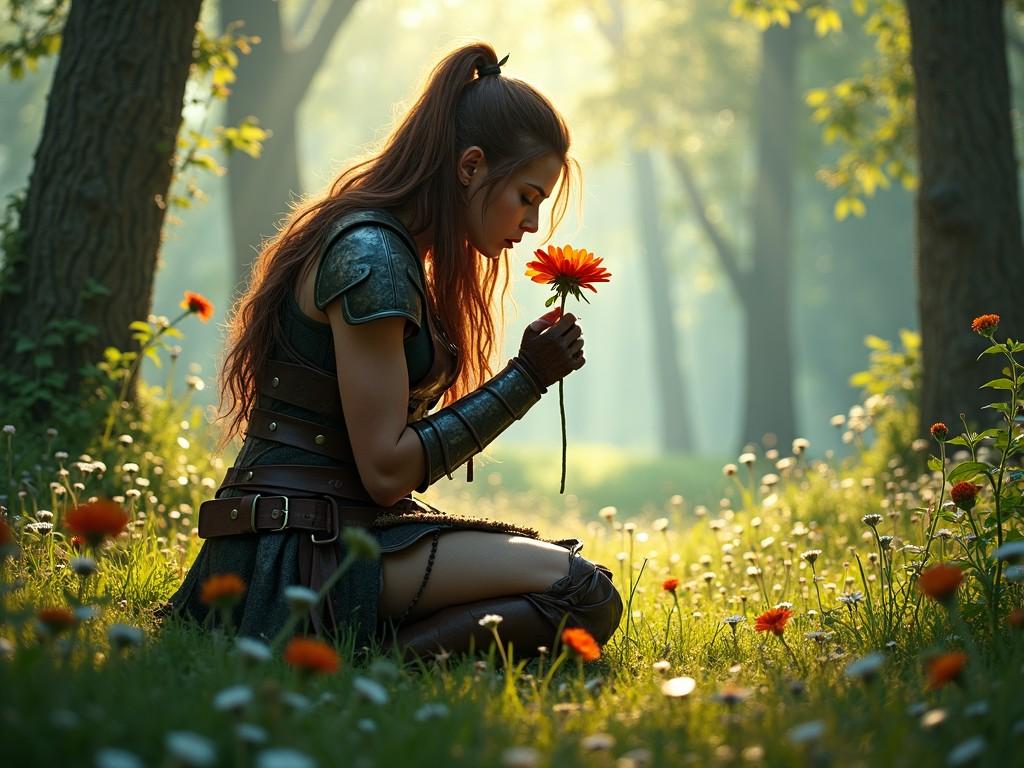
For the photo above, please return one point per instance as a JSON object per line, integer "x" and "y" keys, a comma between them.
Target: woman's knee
{"x": 469, "y": 566}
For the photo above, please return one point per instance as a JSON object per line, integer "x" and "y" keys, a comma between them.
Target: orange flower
{"x": 568, "y": 269}
{"x": 670, "y": 585}
{"x": 222, "y": 589}
{"x": 940, "y": 582}
{"x": 582, "y": 643}
{"x": 6, "y": 537}
{"x": 308, "y": 655}
{"x": 197, "y": 304}
{"x": 1016, "y": 618}
{"x": 986, "y": 325}
{"x": 56, "y": 620}
{"x": 96, "y": 520}
{"x": 773, "y": 620}
{"x": 945, "y": 668}
{"x": 939, "y": 431}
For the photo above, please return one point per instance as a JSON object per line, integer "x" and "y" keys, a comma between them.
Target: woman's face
{"x": 514, "y": 206}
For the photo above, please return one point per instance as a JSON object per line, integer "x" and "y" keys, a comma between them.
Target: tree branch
{"x": 726, "y": 254}
{"x": 302, "y": 65}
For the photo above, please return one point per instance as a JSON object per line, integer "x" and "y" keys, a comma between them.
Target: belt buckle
{"x": 333, "y": 502}
{"x": 283, "y": 524}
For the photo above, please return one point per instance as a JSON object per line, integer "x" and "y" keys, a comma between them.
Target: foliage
{"x": 824, "y": 555}
{"x": 36, "y": 27}
{"x": 892, "y": 389}
{"x": 871, "y": 114}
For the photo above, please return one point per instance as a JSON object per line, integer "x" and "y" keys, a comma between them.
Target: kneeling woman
{"x": 349, "y": 334}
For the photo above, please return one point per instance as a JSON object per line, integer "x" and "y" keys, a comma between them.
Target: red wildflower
{"x": 582, "y": 643}
{"x": 670, "y": 585}
{"x": 986, "y": 325}
{"x": 773, "y": 620}
{"x": 945, "y": 668}
{"x": 222, "y": 589}
{"x": 939, "y": 431}
{"x": 940, "y": 582}
{"x": 308, "y": 655}
{"x": 197, "y": 304}
{"x": 965, "y": 495}
{"x": 6, "y": 537}
{"x": 96, "y": 520}
{"x": 568, "y": 269}
{"x": 56, "y": 620}
{"x": 1016, "y": 618}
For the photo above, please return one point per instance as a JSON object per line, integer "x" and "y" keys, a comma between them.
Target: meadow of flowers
{"x": 864, "y": 611}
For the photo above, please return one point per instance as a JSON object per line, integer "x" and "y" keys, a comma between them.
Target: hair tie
{"x": 491, "y": 69}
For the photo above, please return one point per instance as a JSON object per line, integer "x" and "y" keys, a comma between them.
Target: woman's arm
{"x": 374, "y": 385}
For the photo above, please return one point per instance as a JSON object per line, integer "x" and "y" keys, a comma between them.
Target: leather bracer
{"x": 463, "y": 429}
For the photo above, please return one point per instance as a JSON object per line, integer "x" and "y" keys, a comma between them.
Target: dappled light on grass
{"x": 815, "y": 607}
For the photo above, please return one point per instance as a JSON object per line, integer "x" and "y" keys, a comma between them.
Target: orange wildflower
{"x": 670, "y": 585}
{"x": 582, "y": 643}
{"x": 986, "y": 325}
{"x": 567, "y": 269}
{"x": 308, "y": 655}
{"x": 773, "y": 620}
{"x": 6, "y": 537}
{"x": 939, "y": 430}
{"x": 222, "y": 589}
{"x": 96, "y": 520}
{"x": 940, "y": 582}
{"x": 56, "y": 620}
{"x": 945, "y": 668}
{"x": 197, "y": 304}
{"x": 1016, "y": 618}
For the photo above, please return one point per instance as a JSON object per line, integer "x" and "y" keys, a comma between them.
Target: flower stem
{"x": 561, "y": 412}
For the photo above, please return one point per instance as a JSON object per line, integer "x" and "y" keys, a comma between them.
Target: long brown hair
{"x": 414, "y": 172}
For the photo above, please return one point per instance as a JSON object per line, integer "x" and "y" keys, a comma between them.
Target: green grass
{"x": 65, "y": 700}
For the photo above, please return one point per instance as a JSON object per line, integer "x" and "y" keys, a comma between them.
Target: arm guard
{"x": 464, "y": 428}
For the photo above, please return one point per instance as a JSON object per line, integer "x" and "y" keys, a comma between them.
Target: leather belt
{"x": 342, "y": 480}
{"x": 299, "y": 433}
{"x": 265, "y": 513}
{"x": 302, "y": 386}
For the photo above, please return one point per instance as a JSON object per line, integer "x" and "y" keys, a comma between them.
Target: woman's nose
{"x": 529, "y": 225}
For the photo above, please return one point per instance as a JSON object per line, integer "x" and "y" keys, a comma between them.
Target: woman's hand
{"x": 552, "y": 347}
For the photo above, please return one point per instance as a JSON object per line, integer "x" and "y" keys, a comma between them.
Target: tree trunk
{"x": 676, "y": 428}
{"x": 90, "y": 229}
{"x": 769, "y": 370}
{"x": 969, "y": 252}
{"x": 272, "y": 82}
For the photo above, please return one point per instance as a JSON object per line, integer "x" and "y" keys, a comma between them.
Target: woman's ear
{"x": 471, "y": 162}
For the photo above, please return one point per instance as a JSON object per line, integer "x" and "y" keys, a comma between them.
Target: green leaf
{"x": 998, "y": 384}
{"x": 958, "y": 440}
{"x": 24, "y": 344}
{"x": 968, "y": 471}
{"x": 139, "y": 325}
{"x": 43, "y": 360}
{"x": 934, "y": 464}
{"x": 152, "y": 354}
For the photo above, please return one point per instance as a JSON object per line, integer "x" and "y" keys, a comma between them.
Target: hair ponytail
{"x": 415, "y": 172}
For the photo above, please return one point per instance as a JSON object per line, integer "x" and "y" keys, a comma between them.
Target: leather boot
{"x": 584, "y": 597}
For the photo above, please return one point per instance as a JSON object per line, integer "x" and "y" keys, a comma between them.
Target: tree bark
{"x": 968, "y": 257}
{"x": 675, "y": 425}
{"x": 90, "y": 229}
{"x": 676, "y": 428}
{"x": 769, "y": 369}
{"x": 272, "y": 82}
{"x": 763, "y": 289}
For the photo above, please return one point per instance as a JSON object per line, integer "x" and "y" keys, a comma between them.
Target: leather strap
{"x": 299, "y": 433}
{"x": 263, "y": 513}
{"x": 302, "y": 386}
{"x": 342, "y": 480}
